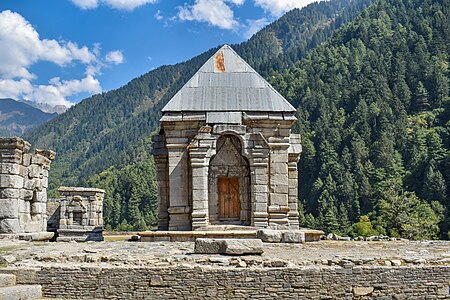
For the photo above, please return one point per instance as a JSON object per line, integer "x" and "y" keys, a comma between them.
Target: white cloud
{"x": 158, "y": 16}
{"x": 86, "y": 4}
{"x": 117, "y": 4}
{"x": 279, "y": 7}
{"x": 115, "y": 57}
{"x": 21, "y": 47}
{"x": 253, "y": 26}
{"x": 57, "y": 91}
{"x": 10, "y": 88}
{"x": 213, "y": 12}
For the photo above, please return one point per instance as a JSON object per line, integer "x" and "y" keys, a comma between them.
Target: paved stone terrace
{"x": 122, "y": 253}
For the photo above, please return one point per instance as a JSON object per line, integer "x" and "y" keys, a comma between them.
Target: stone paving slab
{"x": 325, "y": 253}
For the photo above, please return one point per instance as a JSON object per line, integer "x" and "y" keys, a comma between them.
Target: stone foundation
{"x": 206, "y": 282}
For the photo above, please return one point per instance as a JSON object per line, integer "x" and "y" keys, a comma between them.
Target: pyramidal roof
{"x": 227, "y": 83}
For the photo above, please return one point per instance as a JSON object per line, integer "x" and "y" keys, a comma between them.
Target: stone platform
{"x": 33, "y": 236}
{"x": 212, "y": 232}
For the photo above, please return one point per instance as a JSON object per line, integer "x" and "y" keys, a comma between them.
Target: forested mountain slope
{"x": 103, "y": 130}
{"x": 374, "y": 109}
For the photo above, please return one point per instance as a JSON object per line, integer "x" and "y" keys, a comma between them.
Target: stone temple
{"x": 225, "y": 154}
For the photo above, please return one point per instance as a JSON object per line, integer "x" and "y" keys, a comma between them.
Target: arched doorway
{"x": 229, "y": 184}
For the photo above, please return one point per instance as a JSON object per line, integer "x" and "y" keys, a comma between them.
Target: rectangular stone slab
{"x": 228, "y": 246}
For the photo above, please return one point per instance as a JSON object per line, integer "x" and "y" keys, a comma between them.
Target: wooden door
{"x": 229, "y": 200}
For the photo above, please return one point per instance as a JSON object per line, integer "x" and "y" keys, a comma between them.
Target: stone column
{"x": 259, "y": 181}
{"x": 162, "y": 177}
{"x": 278, "y": 205}
{"x": 179, "y": 208}
{"x": 200, "y": 154}
{"x": 11, "y": 183}
{"x": 295, "y": 149}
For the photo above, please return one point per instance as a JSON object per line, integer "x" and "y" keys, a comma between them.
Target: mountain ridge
{"x": 17, "y": 117}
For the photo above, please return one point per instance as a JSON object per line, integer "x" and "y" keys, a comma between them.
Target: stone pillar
{"x": 259, "y": 181}
{"x": 11, "y": 184}
{"x": 81, "y": 214}
{"x": 200, "y": 154}
{"x": 179, "y": 209}
{"x": 278, "y": 186}
{"x": 23, "y": 187}
{"x": 295, "y": 149}
{"x": 162, "y": 178}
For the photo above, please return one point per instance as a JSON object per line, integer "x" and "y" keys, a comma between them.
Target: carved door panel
{"x": 229, "y": 200}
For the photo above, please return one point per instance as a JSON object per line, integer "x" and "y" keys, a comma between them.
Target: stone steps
{"x": 9, "y": 290}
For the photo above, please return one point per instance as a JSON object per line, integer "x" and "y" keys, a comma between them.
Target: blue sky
{"x": 61, "y": 51}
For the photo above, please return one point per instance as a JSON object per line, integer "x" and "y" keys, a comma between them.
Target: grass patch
{"x": 8, "y": 248}
{"x": 116, "y": 238}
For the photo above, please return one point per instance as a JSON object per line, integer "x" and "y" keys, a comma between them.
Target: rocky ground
{"x": 120, "y": 253}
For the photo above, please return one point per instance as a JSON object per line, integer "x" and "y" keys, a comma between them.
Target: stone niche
{"x": 23, "y": 187}
{"x": 225, "y": 155}
{"x": 80, "y": 214}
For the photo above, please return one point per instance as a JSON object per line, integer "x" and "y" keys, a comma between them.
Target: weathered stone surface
{"x": 7, "y": 280}
{"x": 9, "y": 208}
{"x": 80, "y": 214}
{"x": 208, "y": 246}
{"x": 269, "y": 235}
{"x": 293, "y": 236}
{"x": 23, "y": 187}
{"x": 362, "y": 291}
{"x": 9, "y": 226}
{"x": 243, "y": 246}
{"x": 228, "y": 246}
{"x": 21, "y": 292}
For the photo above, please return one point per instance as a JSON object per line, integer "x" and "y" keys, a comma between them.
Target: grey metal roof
{"x": 227, "y": 83}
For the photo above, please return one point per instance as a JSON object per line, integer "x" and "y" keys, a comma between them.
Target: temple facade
{"x": 225, "y": 154}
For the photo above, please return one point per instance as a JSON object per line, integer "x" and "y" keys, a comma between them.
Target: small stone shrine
{"x": 23, "y": 188}
{"x": 80, "y": 214}
{"x": 225, "y": 154}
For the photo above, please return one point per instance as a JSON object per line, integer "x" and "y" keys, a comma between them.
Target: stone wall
{"x": 23, "y": 187}
{"x": 182, "y": 282}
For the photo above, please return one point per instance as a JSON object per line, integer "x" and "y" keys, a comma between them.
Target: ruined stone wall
{"x": 374, "y": 282}
{"x": 23, "y": 187}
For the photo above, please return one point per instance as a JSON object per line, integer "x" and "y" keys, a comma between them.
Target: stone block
{"x": 10, "y": 168}
{"x": 24, "y": 206}
{"x": 34, "y": 171}
{"x": 21, "y": 292}
{"x": 269, "y": 235}
{"x": 278, "y": 199}
{"x": 228, "y": 246}
{"x": 9, "y": 193}
{"x": 362, "y": 291}
{"x": 11, "y": 181}
{"x": 7, "y": 279}
{"x": 293, "y": 236}
{"x": 243, "y": 246}
{"x": 279, "y": 179}
{"x": 9, "y": 226}
{"x": 9, "y": 208}
{"x": 260, "y": 198}
{"x": 279, "y": 168}
{"x": 38, "y": 208}
{"x": 26, "y": 159}
{"x": 280, "y": 189}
